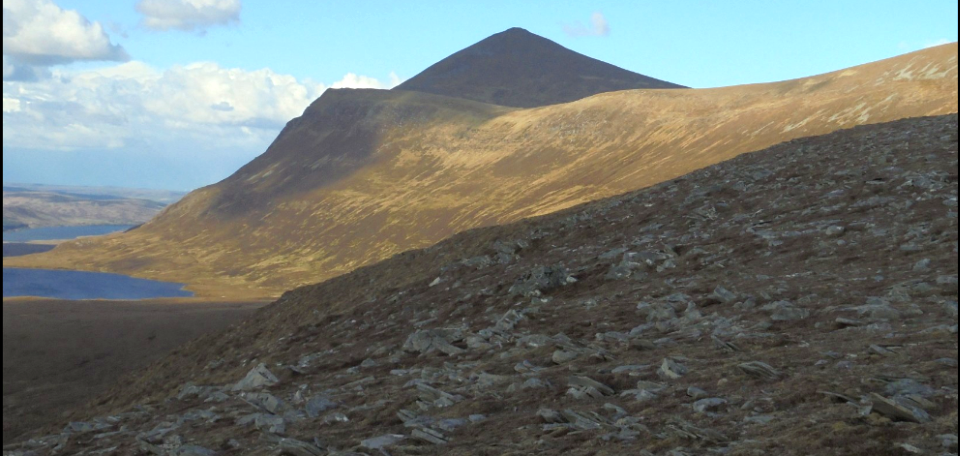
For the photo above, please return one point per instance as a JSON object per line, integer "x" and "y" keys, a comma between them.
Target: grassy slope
{"x": 756, "y": 225}
{"x": 407, "y": 172}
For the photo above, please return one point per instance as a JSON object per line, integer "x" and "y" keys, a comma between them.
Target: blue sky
{"x": 111, "y": 112}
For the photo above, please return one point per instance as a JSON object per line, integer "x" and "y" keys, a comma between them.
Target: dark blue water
{"x": 85, "y": 285}
{"x": 56, "y": 233}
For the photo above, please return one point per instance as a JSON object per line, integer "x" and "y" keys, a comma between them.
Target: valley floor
{"x": 58, "y": 355}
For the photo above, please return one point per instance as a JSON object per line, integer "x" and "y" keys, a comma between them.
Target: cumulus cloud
{"x": 188, "y": 15}
{"x": 598, "y": 27}
{"x": 180, "y": 127}
{"x": 40, "y": 33}
{"x": 116, "y": 107}
{"x": 354, "y": 81}
{"x": 11, "y": 105}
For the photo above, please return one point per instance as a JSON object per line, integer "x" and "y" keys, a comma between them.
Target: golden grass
{"x": 365, "y": 175}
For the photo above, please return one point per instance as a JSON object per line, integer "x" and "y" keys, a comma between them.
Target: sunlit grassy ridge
{"x": 364, "y": 175}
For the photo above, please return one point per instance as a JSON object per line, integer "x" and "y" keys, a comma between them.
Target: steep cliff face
{"x": 364, "y": 175}
{"x": 520, "y": 69}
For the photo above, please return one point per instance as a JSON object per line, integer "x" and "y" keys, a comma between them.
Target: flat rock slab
{"x": 384, "y": 441}
{"x": 258, "y": 378}
{"x": 891, "y": 409}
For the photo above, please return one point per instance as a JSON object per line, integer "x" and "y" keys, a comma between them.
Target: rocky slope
{"x": 800, "y": 300}
{"x": 517, "y": 68}
{"x": 364, "y": 175}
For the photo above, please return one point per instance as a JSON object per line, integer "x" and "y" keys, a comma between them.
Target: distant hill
{"x": 365, "y": 174}
{"x": 160, "y": 196}
{"x": 519, "y": 69}
{"x": 35, "y": 206}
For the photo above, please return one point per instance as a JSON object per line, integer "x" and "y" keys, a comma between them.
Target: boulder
{"x": 897, "y": 411}
{"x": 786, "y": 311}
{"x": 429, "y": 436}
{"x": 724, "y": 295}
{"x": 550, "y": 416}
{"x": 585, "y": 382}
{"x": 382, "y": 442}
{"x": 696, "y": 393}
{"x": 878, "y": 310}
{"x": 319, "y": 405}
{"x": 271, "y": 424}
{"x": 433, "y": 340}
{"x": 760, "y": 370}
{"x": 835, "y": 231}
{"x": 193, "y": 450}
{"x": 541, "y": 280}
{"x": 259, "y": 378}
{"x": 561, "y": 357}
{"x": 709, "y": 405}
{"x": 509, "y": 321}
{"x": 672, "y": 370}
{"x": 267, "y": 402}
{"x": 658, "y": 312}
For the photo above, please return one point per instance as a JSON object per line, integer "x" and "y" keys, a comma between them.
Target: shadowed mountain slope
{"x": 797, "y": 301}
{"x": 517, "y": 68}
{"x": 364, "y": 175}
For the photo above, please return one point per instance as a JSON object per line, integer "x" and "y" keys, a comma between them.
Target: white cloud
{"x": 936, "y": 43}
{"x": 188, "y": 15}
{"x": 40, "y": 33}
{"x": 599, "y": 26}
{"x": 133, "y": 103}
{"x": 354, "y": 81}
{"x": 11, "y": 105}
{"x": 198, "y": 93}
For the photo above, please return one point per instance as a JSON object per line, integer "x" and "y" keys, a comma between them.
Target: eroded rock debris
{"x": 800, "y": 300}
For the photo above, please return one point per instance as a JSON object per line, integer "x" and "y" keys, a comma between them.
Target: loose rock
{"x": 897, "y": 412}
{"x": 672, "y": 370}
{"x": 760, "y": 370}
{"x": 258, "y": 378}
{"x": 709, "y": 405}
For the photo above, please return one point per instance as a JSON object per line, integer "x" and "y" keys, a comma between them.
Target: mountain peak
{"x": 516, "y": 30}
{"x": 518, "y": 68}
{"x": 516, "y": 33}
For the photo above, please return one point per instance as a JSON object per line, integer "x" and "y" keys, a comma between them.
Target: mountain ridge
{"x": 454, "y": 170}
{"x": 517, "y": 68}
